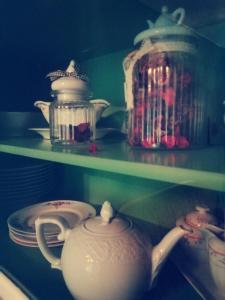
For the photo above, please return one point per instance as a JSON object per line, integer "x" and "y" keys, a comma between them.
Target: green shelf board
{"x": 204, "y": 168}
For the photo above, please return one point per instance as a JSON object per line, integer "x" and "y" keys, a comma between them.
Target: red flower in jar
{"x": 147, "y": 143}
{"x": 137, "y": 130}
{"x": 139, "y": 111}
{"x": 182, "y": 142}
{"x": 185, "y": 79}
{"x": 169, "y": 96}
{"x": 83, "y": 126}
{"x": 177, "y": 131}
{"x": 163, "y": 76}
{"x": 169, "y": 141}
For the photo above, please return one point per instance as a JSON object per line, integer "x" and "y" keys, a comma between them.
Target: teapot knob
{"x": 106, "y": 212}
{"x": 164, "y": 9}
{"x": 202, "y": 209}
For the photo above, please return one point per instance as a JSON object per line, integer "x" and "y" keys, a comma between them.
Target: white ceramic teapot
{"x": 106, "y": 257}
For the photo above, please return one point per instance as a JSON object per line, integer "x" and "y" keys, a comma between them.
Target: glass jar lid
{"x": 166, "y": 25}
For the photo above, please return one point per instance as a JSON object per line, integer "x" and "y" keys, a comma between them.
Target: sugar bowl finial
{"x": 71, "y": 67}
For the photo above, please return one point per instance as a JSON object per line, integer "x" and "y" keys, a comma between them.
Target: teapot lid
{"x": 200, "y": 217}
{"x": 166, "y": 24}
{"x": 69, "y": 81}
{"x": 107, "y": 223}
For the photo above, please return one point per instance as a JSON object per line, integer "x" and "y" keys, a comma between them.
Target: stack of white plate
{"x": 24, "y": 181}
{"x": 21, "y": 224}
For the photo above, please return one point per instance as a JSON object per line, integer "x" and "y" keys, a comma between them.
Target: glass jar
{"x": 72, "y": 121}
{"x": 71, "y": 116}
{"x": 162, "y": 89}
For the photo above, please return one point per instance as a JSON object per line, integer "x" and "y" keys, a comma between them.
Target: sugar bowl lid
{"x": 69, "y": 80}
{"x": 107, "y": 223}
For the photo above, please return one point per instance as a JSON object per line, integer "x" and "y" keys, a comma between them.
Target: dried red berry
{"x": 93, "y": 148}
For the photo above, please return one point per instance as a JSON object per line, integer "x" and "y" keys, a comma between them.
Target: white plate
{"x": 12, "y": 288}
{"x": 198, "y": 275}
{"x": 32, "y": 237}
{"x": 28, "y": 243}
{"x": 73, "y": 212}
{"x": 9, "y": 290}
{"x": 44, "y": 132}
{"x": 100, "y": 132}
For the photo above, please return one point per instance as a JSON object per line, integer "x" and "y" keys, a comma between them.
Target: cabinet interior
{"x": 43, "y": 36}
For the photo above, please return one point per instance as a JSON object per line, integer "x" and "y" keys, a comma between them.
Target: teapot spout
{"x": 44, "y": 107}
{"x": 162, "y": 250}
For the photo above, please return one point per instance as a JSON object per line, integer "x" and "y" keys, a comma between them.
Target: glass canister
{"x": 71, "y": 116}
{"x": 165, "y": 104}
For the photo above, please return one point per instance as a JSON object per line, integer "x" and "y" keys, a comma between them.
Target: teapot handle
{"x": 64, "y": 232}
{"x": 178, "y": 15}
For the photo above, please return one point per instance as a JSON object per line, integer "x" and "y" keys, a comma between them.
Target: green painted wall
{"x": 154, "y": 204}
{"x": 106, "y": 76}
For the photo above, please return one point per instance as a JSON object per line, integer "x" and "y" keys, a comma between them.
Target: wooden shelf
{"x": 204, "y": 168}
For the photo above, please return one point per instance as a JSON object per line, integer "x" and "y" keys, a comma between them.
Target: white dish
{"x": 74, "y": 212}
{"x": 102, "y": 132}
{"x": 44, "y": 132}
{"x": 199, "y": 276}
{"x": 99, "y": 133}
{"x": 33, "y": 243}
{"x": 9, "y": 290}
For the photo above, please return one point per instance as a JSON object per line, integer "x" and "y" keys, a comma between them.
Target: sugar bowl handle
{"x": 64, "y": 232}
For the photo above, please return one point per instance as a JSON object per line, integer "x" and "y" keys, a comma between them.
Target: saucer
{"x": 44, "y": 132}
{"x": 11, "y": 288}
{"x": 21, "y": 224}
{"x": 102, "y": 132}
{"x": 99, "y": 133}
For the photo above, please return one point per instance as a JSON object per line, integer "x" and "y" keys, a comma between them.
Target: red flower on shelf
{"x": 93, "y": 148}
